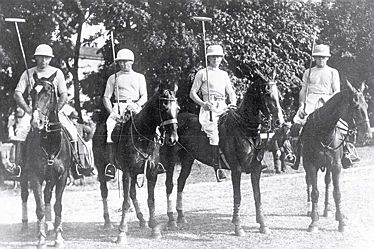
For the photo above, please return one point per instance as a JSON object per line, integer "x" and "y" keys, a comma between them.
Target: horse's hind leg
{"x": 186, "y": 165}
{"x": 327, "y": 210}
{"x": 47, "y": 206}
{"x": 60, "y": 186}
{"x": 337, "y": 197}
{"x": 255, "y": 178}
{"x": 139, "y": 214}
{"x": 312, "y": 171}
{"x": 153, "y": 224}
{"x": 24, "y": 196}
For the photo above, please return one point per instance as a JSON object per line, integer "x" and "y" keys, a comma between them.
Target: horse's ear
{"x": 363, "y": 86}
{"x": 52, "y": 77}
{"x": 350, "y": 87}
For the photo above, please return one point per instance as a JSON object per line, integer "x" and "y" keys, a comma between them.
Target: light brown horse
{"x": 322, "y": 141}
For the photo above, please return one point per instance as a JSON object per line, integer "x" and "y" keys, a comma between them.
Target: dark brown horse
{"x": 137, "y": 152}
{"x": 322, "y": 138}
{"x": 48, "y": 159}
{"x": 239, "y": 141}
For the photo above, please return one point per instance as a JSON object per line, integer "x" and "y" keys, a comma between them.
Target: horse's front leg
{"x": 60, "y": 187}
{"x": 24, "y": 182}
{"x": 235, "y": 180}
{"x": 186, "y": 165}
{"x": 36, "y": 186}
{"x": 47, "y": 205}
{"x": 339, "y": 216}
{"x": 104, "y": 196}
{"x": 277, "y": 161}
{"x": 139, "y": 214}
{"x": 327, "y": 211}
{"x": 122, "y": 229}
{"x": 172, "y": 224}
{"x": 309, "y": 195}
{"x": 255, "y": 179}
{"x": 312, "y": 172}
{"x": 153, "y": 224}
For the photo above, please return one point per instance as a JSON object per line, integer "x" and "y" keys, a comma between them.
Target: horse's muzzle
{"x": 172, "y": 140}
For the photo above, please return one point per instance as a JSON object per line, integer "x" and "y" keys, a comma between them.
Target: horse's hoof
{"x": 309, "y": 213}
{"x": 59, "y": 243}
{"x": 108, "y": 225}
{"x": 172, "y": 225}
{"x": 156, "y": 233}
{"x": 341, "y": 228}
{"x": 239, "y": 231}
{"x": 49, "y": 227}
{"x": 327, "y": 213}
{"x": 312, "y": 229}
{"x": 42, "y": 245}
{"x": 121, "y": 240}
{"x": 181, "y": 220}
{"x": 265, "y": 230}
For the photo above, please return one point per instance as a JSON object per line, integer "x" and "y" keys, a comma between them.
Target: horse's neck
{"x": 147, "y": 120}
{"x": 248, "y": 109}
{"x": 328, "y": 115}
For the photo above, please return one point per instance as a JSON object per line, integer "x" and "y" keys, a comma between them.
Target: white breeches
{"x": 211, "y": 127}
{"x": 69, "y": 125}
{"x": 111, "y": 121}
{"x": 313, "y": 102}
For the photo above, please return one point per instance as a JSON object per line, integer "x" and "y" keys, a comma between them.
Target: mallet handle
{"x": 202, "y": 18}
{"x": 115, "y": 73}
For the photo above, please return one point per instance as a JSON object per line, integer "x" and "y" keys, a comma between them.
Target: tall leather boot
{"x": 220, "y": 174}
{"x": 110, "y": 168}
{"x": 298, "y": 149}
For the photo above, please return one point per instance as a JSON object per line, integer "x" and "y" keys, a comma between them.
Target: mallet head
{"x": 202, "y": 18}
{"x": 14, "y": 19}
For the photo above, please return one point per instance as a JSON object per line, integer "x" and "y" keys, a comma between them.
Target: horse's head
{"x": 269, "y": 98}
{"x": 44, "y": 99}
{"x": 168, "y": 111}
{"x": 357, "y": 115}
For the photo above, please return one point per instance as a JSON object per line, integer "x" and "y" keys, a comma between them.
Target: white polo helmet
{"x": 321, "y": 50}
{"x": 44, "y": 49}
{"x": 214, "y": 50}
{"x": 125, "y": 55}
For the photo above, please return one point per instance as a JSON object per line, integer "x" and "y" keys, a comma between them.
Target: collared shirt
{"x": 219, "y": 81}
{"x": 322, "y": 80}
{"x": 59, "y": 80}
{"x": 131, "y": 85}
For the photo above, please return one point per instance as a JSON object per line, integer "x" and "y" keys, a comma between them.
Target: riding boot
{"x": 298, "y": 148}
{"x": 9, "y": 166}
{"x": 110, "y": 168}
{"x": 220, "y": 174}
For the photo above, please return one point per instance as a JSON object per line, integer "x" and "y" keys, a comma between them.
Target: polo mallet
{"x": 310, "y": 67}
{"x": 16, "y": 21}
{"x": 203, "y": 20}
{"x": 115, "y": 73}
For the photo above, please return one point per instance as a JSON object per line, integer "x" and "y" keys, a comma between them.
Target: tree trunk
{"x": 75, "y": 68}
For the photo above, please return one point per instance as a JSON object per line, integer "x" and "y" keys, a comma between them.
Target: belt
{"x": 126, "y": 101}
{"x": 217, "y": 97}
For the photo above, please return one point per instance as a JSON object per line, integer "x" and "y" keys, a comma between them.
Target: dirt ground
{"x": 208, "y": 208}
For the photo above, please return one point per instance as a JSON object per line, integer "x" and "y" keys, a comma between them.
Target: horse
{"x": 48, "y": 159}
{"x": 239, "y": 142}
{"x": 322, "y": 139}
{"x": 137, "y": 152}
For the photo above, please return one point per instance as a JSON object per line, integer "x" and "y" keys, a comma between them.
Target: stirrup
{"x": 220, "y": 175}
{"x": 15, "y": 170}
{"x": 110, "y": 171}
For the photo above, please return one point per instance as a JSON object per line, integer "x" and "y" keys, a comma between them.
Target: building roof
{"x": 90, "y": 53}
